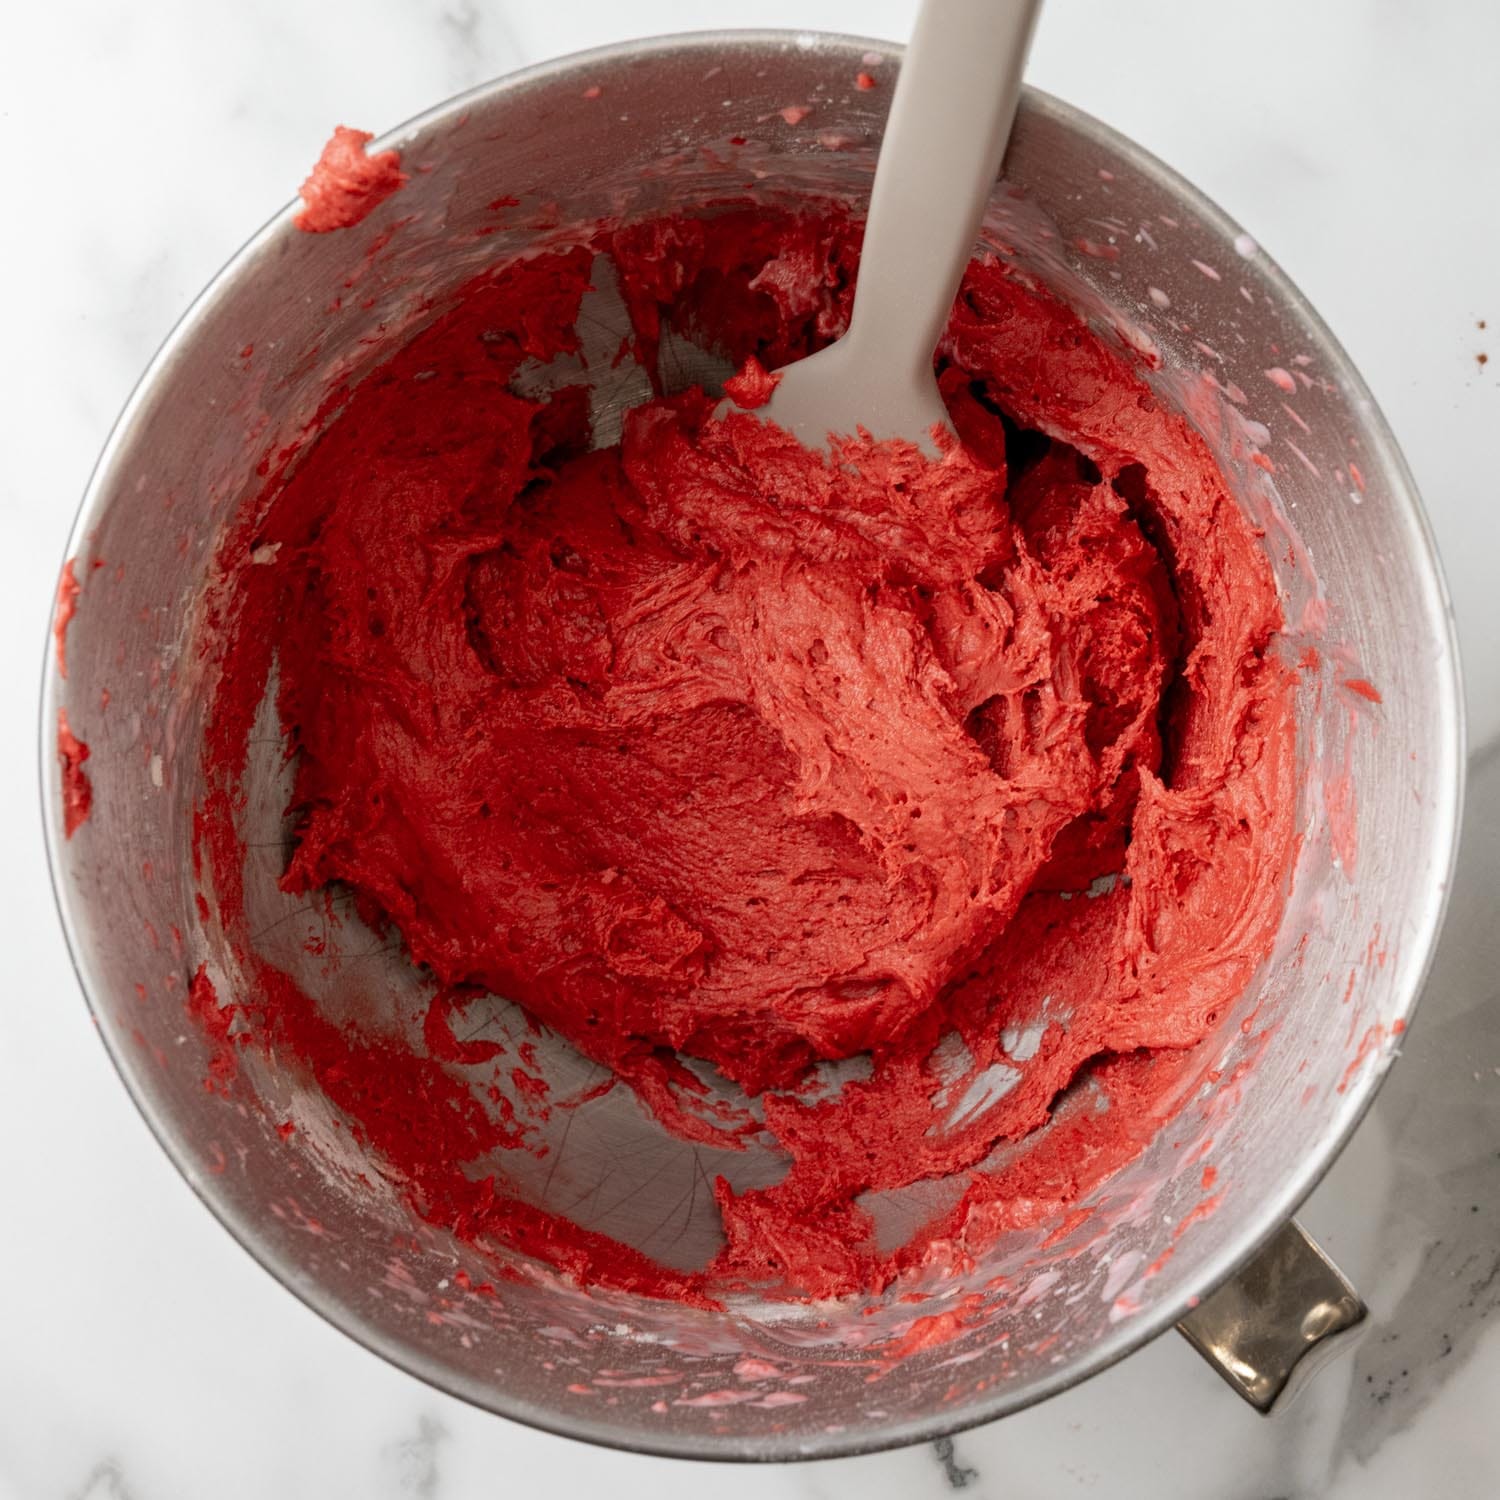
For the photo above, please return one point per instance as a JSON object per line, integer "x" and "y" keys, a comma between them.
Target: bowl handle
{"x": 1278, "y": 1316}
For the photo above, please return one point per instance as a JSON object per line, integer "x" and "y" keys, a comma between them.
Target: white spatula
{"x": 950, "y": 119}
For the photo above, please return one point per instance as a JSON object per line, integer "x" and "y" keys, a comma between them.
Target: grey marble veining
{"x": 143, "y": 1356}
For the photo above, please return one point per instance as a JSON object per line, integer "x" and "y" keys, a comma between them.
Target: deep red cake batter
{"x": 707, "y": 745}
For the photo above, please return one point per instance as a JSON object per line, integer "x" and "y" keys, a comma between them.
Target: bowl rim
{"x": 1262, "y": 1221}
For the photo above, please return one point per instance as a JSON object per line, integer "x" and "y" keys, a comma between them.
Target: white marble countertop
{"x": 142, "y": 1353}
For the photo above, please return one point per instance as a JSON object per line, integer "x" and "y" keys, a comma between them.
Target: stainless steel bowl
{"x": 1144, "y": 256}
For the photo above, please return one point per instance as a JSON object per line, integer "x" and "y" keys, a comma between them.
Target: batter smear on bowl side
{"x": 347, "y": 183}
{"x": 710, "y": 750}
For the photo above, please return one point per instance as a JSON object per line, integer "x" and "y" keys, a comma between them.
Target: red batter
{"x": 68, "y": 590}
{"x": 346, "y": 185}
{"x": 705, "y": 745}
{"x": 77, "y": 790}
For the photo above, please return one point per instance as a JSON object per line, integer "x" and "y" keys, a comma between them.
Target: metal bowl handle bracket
{"x": 1277, "y": 1317}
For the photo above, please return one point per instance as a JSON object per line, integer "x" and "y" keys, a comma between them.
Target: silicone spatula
{"x": 950, "y": 119}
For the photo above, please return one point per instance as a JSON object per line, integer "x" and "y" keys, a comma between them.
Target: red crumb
{"x": 346, "y": 185}
{"x": 592, "y": 91}
{"x": 1365, "y": 689}
{"x": 203, "y": 1006}
{"x": 863, "y": 81}
{"x": 1369, "y": 1043}
{"x": 1159, "y": 1264}
{"x": 77, "y": 790}
{"x": 68, "y": 590}
{"x": 1096, "y": 250}
{"x": 753, "y": 385}
{"x": 795, "y": 114}
{"x": 932, "y": 1329}
{"x": 1198, "y": 1211}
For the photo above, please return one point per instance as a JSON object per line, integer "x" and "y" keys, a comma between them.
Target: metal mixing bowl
{"x": 1148, "y": 259}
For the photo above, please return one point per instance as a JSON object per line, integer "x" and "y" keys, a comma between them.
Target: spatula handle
{"x": 951, "y": 115}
